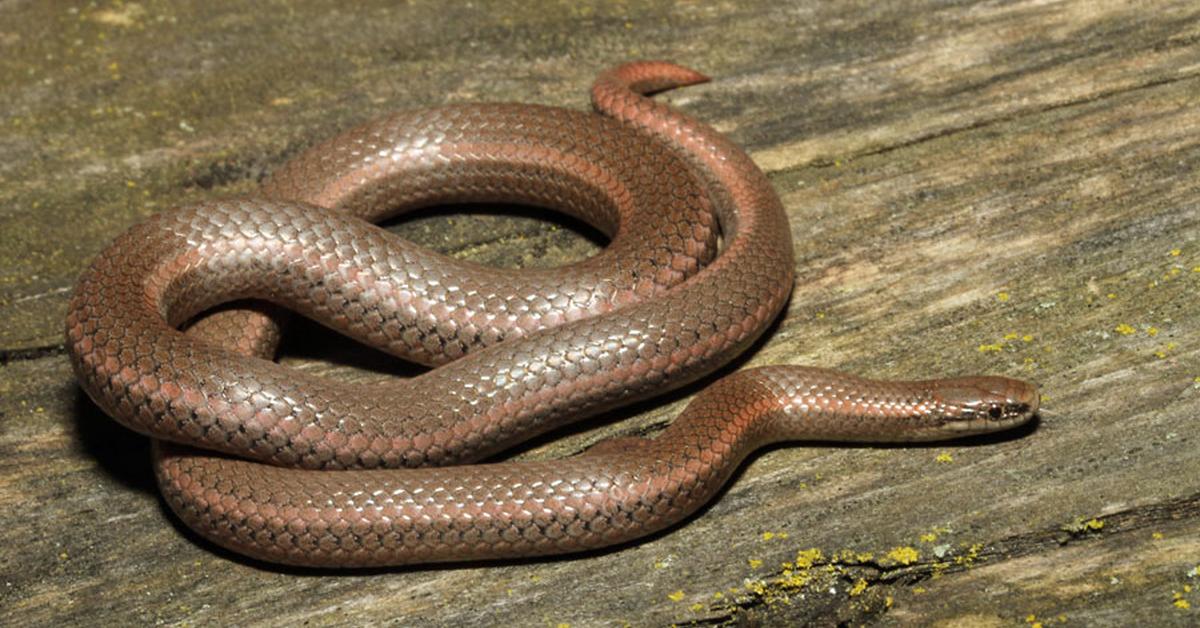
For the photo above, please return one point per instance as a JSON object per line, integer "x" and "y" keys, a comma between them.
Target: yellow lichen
{"x": 858, "y": 588}
{"x": 939, "y": 568}
{"x": 1002, "y": 296}
{"x": 1081, "y": 526}
{"x": 754, "y": 563}
{"x": 968, "y": 559}
{"x": 676, "y": 596}
{"x": 929, "y": 537}
{"x": 1176, "y": 252}
{"x": 944, "y": 458}
{"x": 1124, "y": 329}
{"x": 991, "y": 347}
{"x": 792, "y": 579}
{"x": 904, "y": 555}
{"x": 807, "y": 558}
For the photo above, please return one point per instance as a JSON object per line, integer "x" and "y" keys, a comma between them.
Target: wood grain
{"x": 974, "y": 187}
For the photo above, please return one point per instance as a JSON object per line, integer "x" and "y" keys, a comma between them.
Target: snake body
{"x": 293, "y": 468}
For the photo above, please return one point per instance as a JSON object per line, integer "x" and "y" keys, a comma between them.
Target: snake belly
{"x": 292, "y": 468}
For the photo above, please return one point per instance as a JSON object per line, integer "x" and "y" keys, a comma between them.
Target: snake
{"x": 173, "y": 327}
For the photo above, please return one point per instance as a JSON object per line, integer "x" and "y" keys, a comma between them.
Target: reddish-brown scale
{"x": 320, "y": 477}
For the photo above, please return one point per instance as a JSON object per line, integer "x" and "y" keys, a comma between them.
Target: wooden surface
{"x": 1005, "y": 187}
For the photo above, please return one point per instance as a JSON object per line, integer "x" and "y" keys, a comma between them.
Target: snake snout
{"x": 987, "y": 404}
{"x": 1024, "y": 396}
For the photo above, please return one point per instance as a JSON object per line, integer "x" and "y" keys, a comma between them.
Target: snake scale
{"x": 293, "y": 468}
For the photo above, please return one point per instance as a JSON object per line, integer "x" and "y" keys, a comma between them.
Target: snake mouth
{"x": 990, "y": 422}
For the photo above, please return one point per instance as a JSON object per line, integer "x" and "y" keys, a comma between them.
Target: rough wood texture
{"x": 1003, "y": 187}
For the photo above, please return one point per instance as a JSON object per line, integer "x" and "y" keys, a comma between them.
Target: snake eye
{"x": 995, "y": 412}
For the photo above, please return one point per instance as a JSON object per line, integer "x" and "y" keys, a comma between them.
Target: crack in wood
{"x": 988, "y": 122}
{"x": 8, "y": 356}
{"x": 888, "y": 576}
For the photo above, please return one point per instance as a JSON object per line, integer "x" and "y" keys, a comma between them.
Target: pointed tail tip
{"x": 676, "y": 75}
{"x": 687, "y": 76}
{"x": 653, "y": 76}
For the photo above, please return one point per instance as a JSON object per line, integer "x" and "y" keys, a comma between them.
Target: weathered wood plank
{"x": 114, "y": 113}
{"x": 973, "y": 186}
{"x": 1142, "y": 568}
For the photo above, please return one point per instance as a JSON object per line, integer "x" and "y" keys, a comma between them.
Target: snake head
{"x": 977, "y": 405}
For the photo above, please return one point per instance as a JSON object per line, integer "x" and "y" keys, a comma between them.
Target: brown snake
{"x": 326, "y": 472}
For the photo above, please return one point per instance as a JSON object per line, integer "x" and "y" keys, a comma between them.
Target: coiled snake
{"x": 297, "y": 469}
